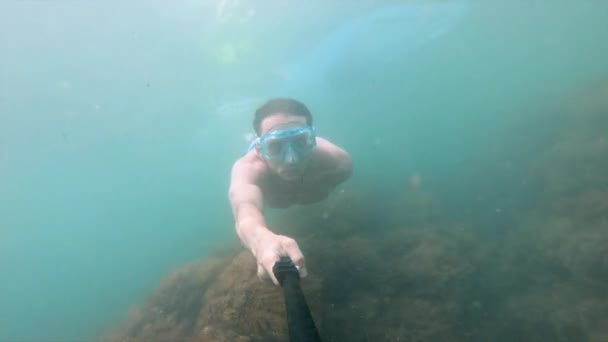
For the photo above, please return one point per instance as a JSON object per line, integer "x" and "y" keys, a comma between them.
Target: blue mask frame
{"x": 289, "y": 144}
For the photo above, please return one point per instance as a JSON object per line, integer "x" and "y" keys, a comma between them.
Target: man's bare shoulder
{"x": 328, "y": 148}
{"x": 248, "y": 168}
{"x": 332, "y": 159}
{"x": 332, "y": 153}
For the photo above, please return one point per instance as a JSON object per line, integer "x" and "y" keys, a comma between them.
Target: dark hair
{"x": 280, "y": 105}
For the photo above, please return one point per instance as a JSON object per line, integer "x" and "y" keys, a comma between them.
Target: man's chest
{"x": 282, "y": 194}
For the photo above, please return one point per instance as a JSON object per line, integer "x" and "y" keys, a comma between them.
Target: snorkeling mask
{"x": 288, "y": 145}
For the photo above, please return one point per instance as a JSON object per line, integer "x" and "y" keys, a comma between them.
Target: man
{"x": 287, "y": 164}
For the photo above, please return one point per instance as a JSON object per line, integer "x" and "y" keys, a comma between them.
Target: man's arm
{"x": 247, "y": 204}
{"x": 246, "y": 199}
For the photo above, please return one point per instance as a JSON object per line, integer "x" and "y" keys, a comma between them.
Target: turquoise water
{"x": 119, "y": 123}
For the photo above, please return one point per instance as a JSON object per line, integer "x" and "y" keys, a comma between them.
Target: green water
{"x": 119, "y": 122}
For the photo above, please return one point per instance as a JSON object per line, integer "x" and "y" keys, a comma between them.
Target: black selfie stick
{"x": 299, "y": 321}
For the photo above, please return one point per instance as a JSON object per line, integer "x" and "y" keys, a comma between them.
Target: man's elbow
{"x": 346, "y": 167}
{"x": 232, "y": 194}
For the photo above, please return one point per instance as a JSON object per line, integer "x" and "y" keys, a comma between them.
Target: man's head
{"x": 286, "y": 136}
{"x": 276, "y": 106}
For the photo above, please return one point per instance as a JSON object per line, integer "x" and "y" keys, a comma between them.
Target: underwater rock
{"x": 215, "y": 300}
{"x": 570, "y": 167}
{"x": 572, "y": 160}
{"x": 592, "y": 206}
{"x": 420, "y": 282}
{"x": 414, "y": 208}
{"x": 219, "y": 299}
{"x": 171, "y": 312}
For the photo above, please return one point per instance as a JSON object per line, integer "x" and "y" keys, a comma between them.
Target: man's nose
{"x": 291, "y": 156}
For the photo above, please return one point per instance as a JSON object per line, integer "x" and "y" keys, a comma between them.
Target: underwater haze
{"x": 120, "y": 121}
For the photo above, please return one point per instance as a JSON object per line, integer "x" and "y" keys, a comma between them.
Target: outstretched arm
{"x": 247, "y": 205}
{"x": 246, "y": 200}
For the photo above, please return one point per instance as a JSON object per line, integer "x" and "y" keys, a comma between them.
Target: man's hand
{"x": 270, "y": 248}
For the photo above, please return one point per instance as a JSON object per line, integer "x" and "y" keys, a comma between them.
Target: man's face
{"x": 293, "y": 167}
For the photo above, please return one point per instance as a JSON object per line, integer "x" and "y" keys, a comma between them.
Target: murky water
{"x": 119, "y": 123}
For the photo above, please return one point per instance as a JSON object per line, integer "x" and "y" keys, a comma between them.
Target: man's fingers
{"x": 294, "y": 253}
{"x": 271, "y": 274}
{"x": 261, "y": 272}
{"x": 285, "y": 246}
{"x": 264, "y": 272}
{"x": 303, "y": 272}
